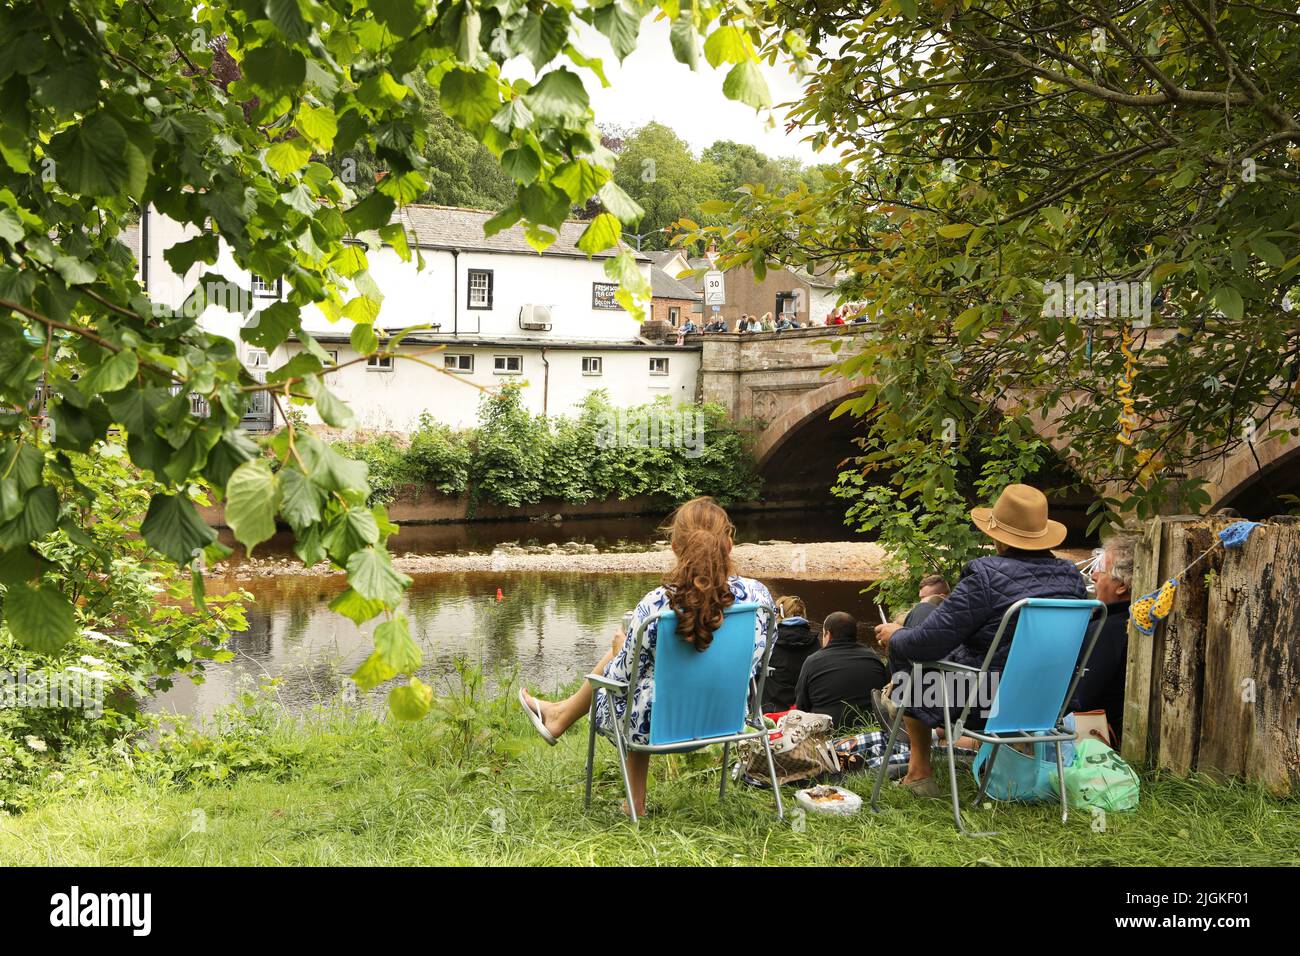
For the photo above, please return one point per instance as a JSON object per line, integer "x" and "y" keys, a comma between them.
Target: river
{"x": 547, "y": 627}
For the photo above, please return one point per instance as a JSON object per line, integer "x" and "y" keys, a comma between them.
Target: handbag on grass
{"x": 800, "y": 750}
{"x": 1092, "y": 725}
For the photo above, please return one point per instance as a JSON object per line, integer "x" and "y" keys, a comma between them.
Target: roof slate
{"x": 447, "y": 227}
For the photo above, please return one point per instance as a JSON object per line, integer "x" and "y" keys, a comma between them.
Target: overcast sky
{"x": 651, "y": 85}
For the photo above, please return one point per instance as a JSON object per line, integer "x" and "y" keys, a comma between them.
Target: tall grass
{"x": 354, "y": 790}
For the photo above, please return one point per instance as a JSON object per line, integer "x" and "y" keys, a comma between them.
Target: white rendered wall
{"x": 393, "y": 400}
{"x": 437, "y": 293}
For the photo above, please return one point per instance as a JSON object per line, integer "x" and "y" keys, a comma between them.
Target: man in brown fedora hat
{"x": 961, "y": 629}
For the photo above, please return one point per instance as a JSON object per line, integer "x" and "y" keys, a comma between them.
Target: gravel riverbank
{"x": 816, "y": 561}
{"x": 819, "y": 561}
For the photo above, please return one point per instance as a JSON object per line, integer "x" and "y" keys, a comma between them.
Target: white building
{"x": 498, "y": 310}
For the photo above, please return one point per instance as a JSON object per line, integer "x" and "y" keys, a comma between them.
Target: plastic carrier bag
{"x": 1099, "y": 777}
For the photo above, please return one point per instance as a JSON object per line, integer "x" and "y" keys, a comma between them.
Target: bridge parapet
{"x": 757, "y": 375}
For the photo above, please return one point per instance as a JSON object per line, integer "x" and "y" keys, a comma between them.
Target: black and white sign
{"x": 602, "y": 295}
{"x": 715, "y": 291}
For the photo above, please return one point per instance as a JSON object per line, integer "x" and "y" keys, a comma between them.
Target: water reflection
{"x": 549, "y": 628}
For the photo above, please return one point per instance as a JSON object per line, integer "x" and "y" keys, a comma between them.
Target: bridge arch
{"x": 1254, "y": 476}
{"x": 778, "y": 381}
{"x": 808, "y": 406}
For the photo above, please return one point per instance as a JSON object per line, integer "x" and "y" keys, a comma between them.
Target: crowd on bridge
{"x": 851, "y": 673}
{"x": 787, "y": 321}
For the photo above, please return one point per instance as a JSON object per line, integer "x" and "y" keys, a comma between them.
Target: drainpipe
{"x": 546, "y": 380}
{"x": 144, "y": 249}
{"x": 455, "y": 291}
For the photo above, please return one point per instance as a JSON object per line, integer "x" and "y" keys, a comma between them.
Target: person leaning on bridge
{"x": 961, "y": 629}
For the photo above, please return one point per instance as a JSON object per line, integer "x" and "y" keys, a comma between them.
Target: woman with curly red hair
{"x": 700, "y": 585}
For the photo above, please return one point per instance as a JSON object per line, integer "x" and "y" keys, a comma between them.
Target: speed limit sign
{"x": 715, "y": 292}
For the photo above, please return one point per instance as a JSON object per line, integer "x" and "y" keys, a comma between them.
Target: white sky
{"x": 651, "y": 85}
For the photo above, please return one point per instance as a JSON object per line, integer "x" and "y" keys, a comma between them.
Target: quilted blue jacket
{"x": 962, "y": 628}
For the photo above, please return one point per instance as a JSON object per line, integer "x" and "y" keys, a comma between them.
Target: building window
{"x": 479, "y": 290}
{"x": 458, "y": 363}
{"x": 256, "y": 358}
{"x": 658, "y": 366}
{"x": 507, "y": 364}
{"x": 379, "y": 363}
{"x": 592, "y": 365}
{"x": 675, "y": 315}
{"x": 266, "y": 288}
{"x": 787, "y": 303}
{"x": 333, "y": 357}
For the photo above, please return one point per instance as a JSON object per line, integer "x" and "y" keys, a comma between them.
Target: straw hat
{"x": 1019, "y": 518}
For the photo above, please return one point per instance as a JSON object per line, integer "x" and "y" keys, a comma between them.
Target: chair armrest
{"x": 951, "y": 666}
{"x": 613, "y": 686}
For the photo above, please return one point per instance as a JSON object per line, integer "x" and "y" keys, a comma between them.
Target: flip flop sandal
{"x": 535, "y": 718}
{"x": 921, "y": 788}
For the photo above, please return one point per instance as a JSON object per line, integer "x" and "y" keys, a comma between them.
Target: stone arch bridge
{"x": 779, "y": 382}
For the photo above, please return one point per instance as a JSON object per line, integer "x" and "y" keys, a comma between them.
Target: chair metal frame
{"x": 956, "y": 729}
{"x": 623, "y": 734}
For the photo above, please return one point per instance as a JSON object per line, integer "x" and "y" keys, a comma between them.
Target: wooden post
{"x": 1141, "y": 708}
{"x": 1215, "y": 688}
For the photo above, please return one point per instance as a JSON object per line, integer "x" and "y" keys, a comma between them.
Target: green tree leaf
{"x": 89, "y": 156}
{"x": 252, "y": 495}
{"x": 620, "y": 27}
{"x": 40, "y": 618}
{"x": 624, "y": 208}
{"x": 1229, "y": 301}
{"x": 726, "y": 44}
{"x": 299, "y": 498}
{"x": 373, "y": 672}
{"x": 173, "y": 527}
{"x": 393, "y": 643}
{"x": 410, "y": 701}
{"x": 601, "y": 233}
{"x": 542, "y": 35}
{"x": 371, "y": 574}
{"x": 745, "y": 84}
{"x": 115, "y": 373}
{"x": 558, "y": 97}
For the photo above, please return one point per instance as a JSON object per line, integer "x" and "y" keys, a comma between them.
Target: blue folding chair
{"x": 700, "y": 697}
{"x": 1033, "y": 691}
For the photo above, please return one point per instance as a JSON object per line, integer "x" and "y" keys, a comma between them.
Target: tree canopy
{"x": 107, "y": 107}
{"x": 659, "y": 170}
{"x": 1080, "y": 219}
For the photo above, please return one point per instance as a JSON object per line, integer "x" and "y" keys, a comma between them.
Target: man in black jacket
{"x": 962, "y": 629}
{"x": 838, "y": 679}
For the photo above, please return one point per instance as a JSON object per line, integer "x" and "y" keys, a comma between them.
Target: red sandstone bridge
{"x": 779, "y": 381}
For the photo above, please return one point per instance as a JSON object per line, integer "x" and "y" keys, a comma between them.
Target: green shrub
{"x": 387, "y": 456}
{"x": 509, "y": 450}
{"x": 440, "y": 456}
{"x": 134, "y": 635}
{"x": 515, "y": 458}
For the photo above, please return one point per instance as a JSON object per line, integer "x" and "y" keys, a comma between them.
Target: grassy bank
{"x": 342, "y": 790}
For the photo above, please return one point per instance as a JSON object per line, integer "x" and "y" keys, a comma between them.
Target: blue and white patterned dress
{"x": 745, "y": 590}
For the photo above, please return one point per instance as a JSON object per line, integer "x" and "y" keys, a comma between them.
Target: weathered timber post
{"x": 1215, "y": 689}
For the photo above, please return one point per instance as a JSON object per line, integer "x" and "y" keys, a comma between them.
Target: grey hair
{"x": 1120, "y": 551}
